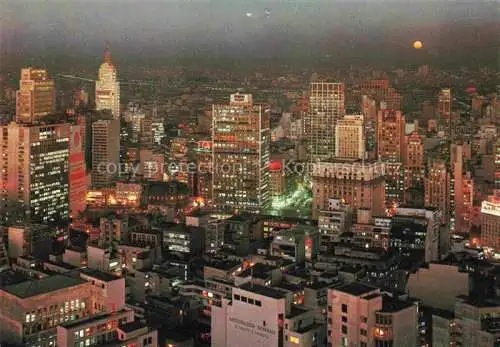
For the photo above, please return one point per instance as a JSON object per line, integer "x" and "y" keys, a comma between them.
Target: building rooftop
{"x": 224, "y": 264}
{"x": 86, "y": 320}
{"x": 103, "y": 276}
{"x": 356, "y": 288}
{"x": 132, "y": 326}
{"x": 176, "y": 335}
{"x": 291, "y": 287}
{"x": 390, "y": 305}
{"x": 42, "y": 286}
{"x": 61, "y": 265}
{"x": 259, "y": 270}
{"x": 318, "y": 285}
{"x": 264, "y": 291}
{"x": 296, "y": 311}
{"x": 8, "y": 278}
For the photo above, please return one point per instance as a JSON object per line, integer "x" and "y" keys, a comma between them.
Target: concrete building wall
{"x": 438, "y": 285}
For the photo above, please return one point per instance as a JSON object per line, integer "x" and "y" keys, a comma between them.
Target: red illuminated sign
{"x": 275, "y": 165}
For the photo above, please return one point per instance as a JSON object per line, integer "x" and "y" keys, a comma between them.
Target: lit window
{"x": 294, "y": 339}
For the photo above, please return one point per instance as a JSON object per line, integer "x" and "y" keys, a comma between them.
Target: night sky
{"x": 289, "y": 29}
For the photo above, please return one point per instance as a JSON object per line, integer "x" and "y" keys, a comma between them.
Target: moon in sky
{"x": 418, "y": 44}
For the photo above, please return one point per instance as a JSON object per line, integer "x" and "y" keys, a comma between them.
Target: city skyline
{"x": 249, "y": 173}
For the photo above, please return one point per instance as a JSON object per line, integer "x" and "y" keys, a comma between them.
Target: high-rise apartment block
{"x": 444, "y": 111}
{"x": 78, "y": 178}
{"x": 359, "y": 315}
{"x": 360, "y": 184}
{"x": 390, "y": 135}
{"x": 474, "y": 322}
{"x": 34, "y": 178}
{"x": 105, "y": 152}
{"x": 349, "y": 137}
{"x": 414, "y": 165}
{"x": 35, "y": 98}
{"x": 326, "y": 107}
{"x": 107, "y": 87}
{"x": 241, "y": 139}
{"x": 497, "y": 163}
{"x": 490, "y": 222}
{"x": 204, "y": 176}
{"x": 390, "y": 146}
{"x": 444, "y": 103}
{"x": 437, "y": 189}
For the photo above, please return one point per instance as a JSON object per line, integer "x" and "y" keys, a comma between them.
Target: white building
{"x": 359, "y": 316}
{"x": 350, "y": 137}
{"x": 263, "y": 316}
{"x": 107, "y": 88}
{"x": 326, "y": 107}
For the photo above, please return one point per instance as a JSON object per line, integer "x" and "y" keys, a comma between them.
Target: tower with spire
{"x": 107, "y": 89}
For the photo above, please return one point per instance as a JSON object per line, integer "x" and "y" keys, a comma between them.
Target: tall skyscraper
{"x": 78, "y": 179}
{"x": 444, "y": 109}
{"x": 414, "y": 166}
{"x": 390, "y": 147}
{"x": 390, "y": 135}
{"x": 107, "y": 88}
{"x": 105, "y": 152}
{"x": 437, "y": 189}
{"x": 490, "y": 222}
{"x": 34, "y": 178}
{"x": 444, "y": 103}
{"x": 35, "y": 97}
{"x": 349, "y": 137}
{"x": 497, "y": 163}
{"x": 326, "y": 107}
{"x": 457, "y": 207}
{"x": 204, "y": 162}
{"x": 241, "y": 139}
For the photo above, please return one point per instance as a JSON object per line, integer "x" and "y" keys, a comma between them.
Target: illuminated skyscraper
{"x": 78, "y": 179}
{"x": 444, "y": 109}
{"x": 35, "y": 97}
{"x": 490, "y": 222}
{"x": 105, "y": 152}
{"x": 107, "y": 88}
{"x": 497, "y": 164}
{"x": 391, "y": 135}
{"x": 204, "y": 162}
{"x": 414, "y": 165}
{"x": 390, "y": 146}
{"x": 326, "y": 107}
{"x": 437, "y": 189}
{"x": 34, "y": 178}
{"x": 444, "y": 103}
{"x": 457, "y": 207}
{"x": 241, "y": 138}
{"x": 349, "y": 137}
